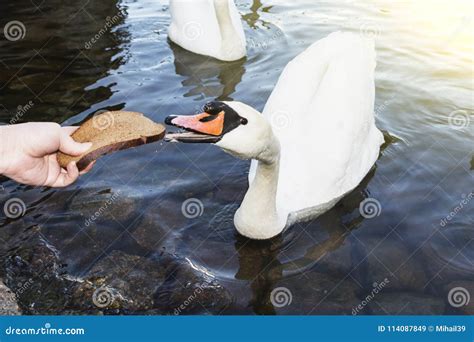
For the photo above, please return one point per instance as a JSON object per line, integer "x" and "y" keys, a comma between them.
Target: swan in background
{"x": 208, "y": 27}
{"x": 314, "y": 143}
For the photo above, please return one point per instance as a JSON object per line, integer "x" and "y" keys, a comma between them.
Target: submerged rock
{"x": 152, "y": 231}
{"x": 97, "y": 207}
{"x": 120, "y": 282}
{"x": 8, "y": 304}
{"x": 313, "y": 293}
{"x": 33, "y": 271}
{"x": 190, "y": 289}
{"x": 337, "y": 261}
{"x": 390, "y": 259}
{"x": 449, "y": 254}
{"x": 164, "y": 284}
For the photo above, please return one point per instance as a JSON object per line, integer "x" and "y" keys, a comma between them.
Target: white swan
{"x": 208, "y": 27}
{"x": 314, "y": 143}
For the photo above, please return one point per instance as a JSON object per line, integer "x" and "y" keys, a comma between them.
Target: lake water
{"x": 121, "y": 228}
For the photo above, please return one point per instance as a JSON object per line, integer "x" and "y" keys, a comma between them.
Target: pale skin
{"x": 28, "y": 154}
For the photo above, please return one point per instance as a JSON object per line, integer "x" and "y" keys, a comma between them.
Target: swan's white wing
{"x": 322, "y": 112}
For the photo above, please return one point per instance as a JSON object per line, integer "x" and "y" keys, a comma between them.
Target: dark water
{"x": 151, "y": 259}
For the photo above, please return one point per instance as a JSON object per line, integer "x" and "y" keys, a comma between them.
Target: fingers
{"x": 88, "y": 168}
{"x": 65, "y": 177}
{"x": 69, "y": 129}
{"x": 67, "y": 144}
{"x": 68, "y": 177}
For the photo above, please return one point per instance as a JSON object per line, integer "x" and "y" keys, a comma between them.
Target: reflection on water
{"x": 50, "y": 66}
{"x": 265, "y": 263}
{"x": 154, "y": 258}
{"x": 253, "y": 16}
{"x": 205, "y": 77}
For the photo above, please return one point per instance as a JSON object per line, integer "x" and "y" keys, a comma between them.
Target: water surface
{"x": 154, "y": 259}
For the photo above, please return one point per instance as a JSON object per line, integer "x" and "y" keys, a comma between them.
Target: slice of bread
{"x": 112, "y": 131}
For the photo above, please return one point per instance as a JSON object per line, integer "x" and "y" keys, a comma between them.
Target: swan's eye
{"x": 213, "y": 108}
{"x": 244, "y": 121}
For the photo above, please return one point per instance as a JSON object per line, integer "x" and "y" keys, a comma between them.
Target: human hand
{"x": 28, "y": 153}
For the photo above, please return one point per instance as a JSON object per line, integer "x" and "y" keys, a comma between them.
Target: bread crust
{"x": 122, "y": 130}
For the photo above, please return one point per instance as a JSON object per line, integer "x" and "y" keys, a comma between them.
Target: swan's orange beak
{"x": 203, "y": 123}
{"x": 210, "y": 126}
{"x": 201, "y": 128}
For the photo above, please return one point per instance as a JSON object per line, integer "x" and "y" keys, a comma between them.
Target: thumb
{"x": 67, "y": 145}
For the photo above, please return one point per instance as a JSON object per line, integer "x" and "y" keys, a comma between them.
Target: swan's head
{"x": 233, "y": 126}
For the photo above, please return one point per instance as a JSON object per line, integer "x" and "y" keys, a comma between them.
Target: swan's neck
{"x": 230, "y": 47}
{"x": 258, "y": 217}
